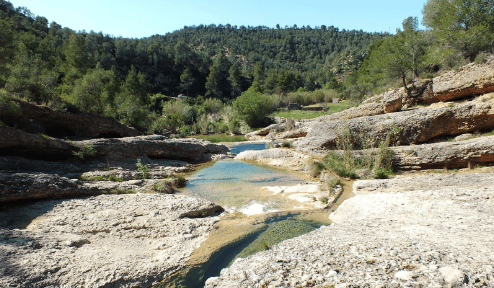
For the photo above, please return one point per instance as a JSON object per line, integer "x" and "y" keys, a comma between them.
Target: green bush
{"x": 7, "y": 105}
{"x": 179, "y": 182}
{"x": 163, "y": 187}
{"x": 143, "y": 169}
{"x": 85, "y": 151}
{"x": 343, "y": 166}
{"x": 252, "y": 107}
{"x": 317, "y": 168}
{"x": 332, "y": 182}
{"x": 234, "y": 126}
{"x": 170, "y": 122}
{"x": 185, "y": 130}
{"x": 287, "y": 144}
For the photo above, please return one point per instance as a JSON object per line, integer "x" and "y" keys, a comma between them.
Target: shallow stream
{"x": 258, "y": 220}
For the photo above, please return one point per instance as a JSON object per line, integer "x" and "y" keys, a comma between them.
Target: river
{"x": 256, "y": 218}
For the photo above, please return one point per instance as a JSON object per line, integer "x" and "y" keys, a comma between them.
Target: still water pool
{"x": 236, "y": 185}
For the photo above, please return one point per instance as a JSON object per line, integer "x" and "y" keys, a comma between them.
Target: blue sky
{"x": 144, "y": 18}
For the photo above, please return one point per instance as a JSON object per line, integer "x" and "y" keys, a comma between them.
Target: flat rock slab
{"x": 31, "y": 186}
{"x": 154, "y": 146}
{"x": 460, "y": 154}
{"x": 277, "y": 157}
{"x": 425, "y": 182}
{"x": 102, "y": 241}
{"x": 439, "y": 237}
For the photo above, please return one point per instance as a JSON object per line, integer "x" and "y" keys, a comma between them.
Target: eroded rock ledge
{"x": 433, "y": 237}
{"x": 27, "y": 145}
{"x": 154, "y": 146}
{"x": 38, "y": 119}
{"x": 102, "y": 241}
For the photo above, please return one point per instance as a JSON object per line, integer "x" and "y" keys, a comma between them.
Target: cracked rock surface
{"x": 102, "y": 241}
{"x": 392, "y": 234}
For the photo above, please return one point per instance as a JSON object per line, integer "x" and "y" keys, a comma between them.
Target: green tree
{"x": 186, "y": 80}
{"x": 466, "y": 26}
{"x": 77, "y": 53}
{"x": 95, "y": 92}
{"x": 30, "y": 78}
{"x": 234, "y": 79}
{"x": 403, "y": 53}
{"x": 6, "y": 48}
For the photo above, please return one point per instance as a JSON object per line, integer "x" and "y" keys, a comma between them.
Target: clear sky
{"x": 144, "y": 18}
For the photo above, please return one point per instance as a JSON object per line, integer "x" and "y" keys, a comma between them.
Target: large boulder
{"x": 153, "y": 146}
{"x": 408, "y": 127}
{"x": 102, "y": 241}
{"x": 403, "y": 236}
{"x": 39, "y": 119}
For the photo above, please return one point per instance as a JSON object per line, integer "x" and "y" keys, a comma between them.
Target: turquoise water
{"x": 247, "y": 146}
{"x": 238, "y": 185}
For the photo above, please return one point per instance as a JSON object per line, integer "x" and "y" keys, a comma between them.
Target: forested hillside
{"x": 43, "y": 62}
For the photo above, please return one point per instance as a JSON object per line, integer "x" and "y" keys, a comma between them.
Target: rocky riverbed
{"x": 389, "y": 235}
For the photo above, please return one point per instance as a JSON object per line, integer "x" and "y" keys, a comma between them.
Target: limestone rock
{"x": 103, "y": 241}
{"x": 24, "y": 186}
{"x": 408, "y": 127}
{"x": 369, "y": 109}
{"x": 15, "y": 142}
{"x": 459, "y": 154}
{"x": 276, "y": 157}
{"x": 38, "y": 119}
{"x": 392, "y": 100}
{"x": 154, "y": 146}
{"x": 469, "y": 80}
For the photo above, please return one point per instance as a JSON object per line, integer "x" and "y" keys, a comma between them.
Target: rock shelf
{"x": 102, "y": 241}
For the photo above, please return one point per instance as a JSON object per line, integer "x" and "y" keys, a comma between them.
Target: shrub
{"x": 170, "y": 122}
{"x": 252, "y": 107}
{"x": 185, "y": 130}
{"x": 234, "y": 126}
{"x": 317, "y": 168}
{"x": 7, "y": 105}
{"x": 143, "y": 169}
{"x": 287, "y": 144}
{"x": 85, "y": 151}
{"x": 179, "y": 182}
{"x": 332, "y": 182}
{"x": 341, "y": 165}
{"x": 163, "y": 187}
